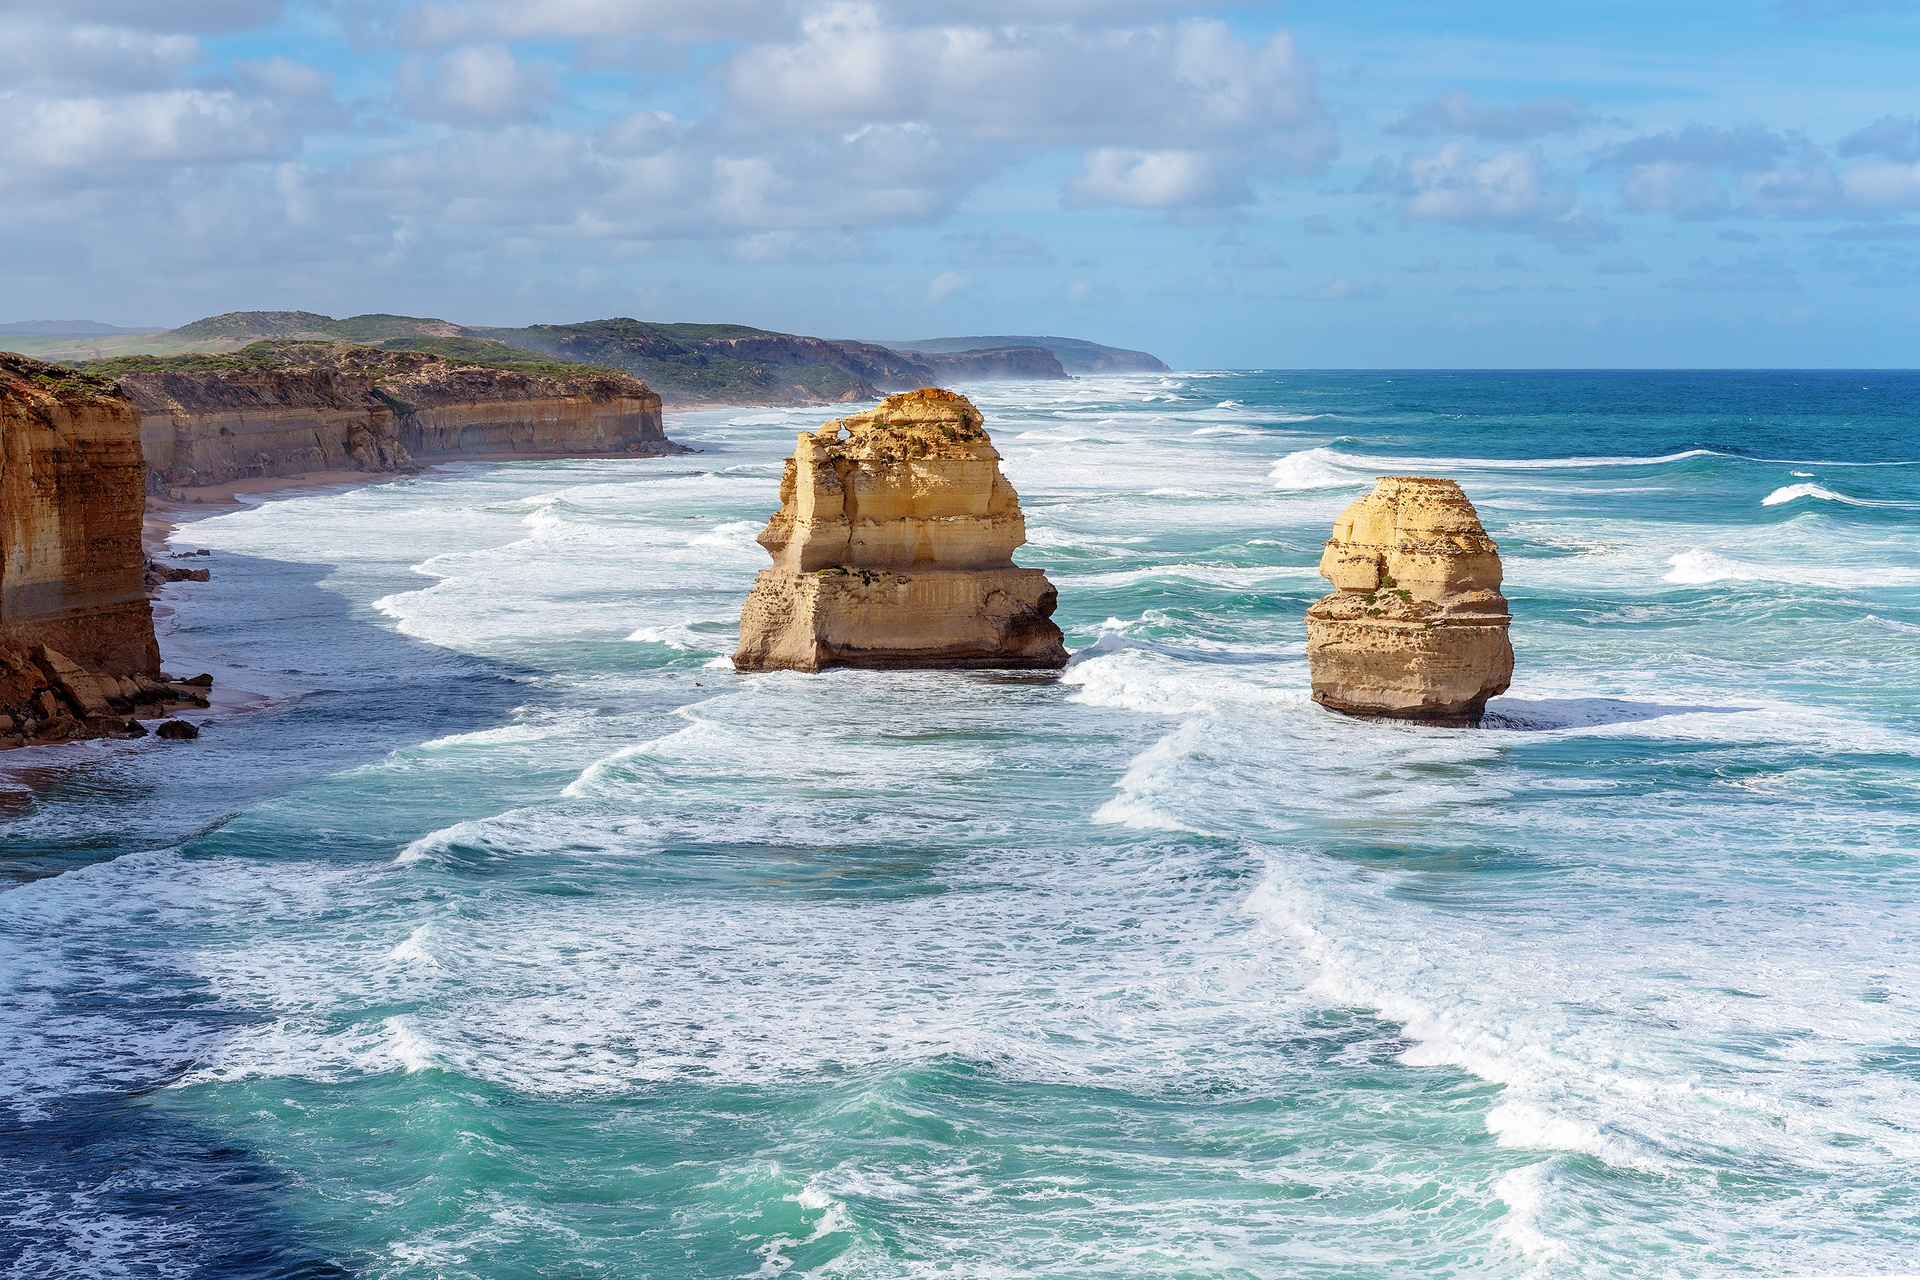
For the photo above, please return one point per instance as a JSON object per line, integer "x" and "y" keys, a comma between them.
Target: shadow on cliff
{"x": 1536, "y": 714}
{"x": 347, "y": 691}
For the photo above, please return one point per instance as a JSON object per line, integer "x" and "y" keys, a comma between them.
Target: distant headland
{"x": 688, "y": 365}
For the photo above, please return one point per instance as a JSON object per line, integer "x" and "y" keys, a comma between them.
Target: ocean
{"x": 520, "y": 937}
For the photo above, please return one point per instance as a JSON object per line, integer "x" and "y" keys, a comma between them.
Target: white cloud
{"x": 946, "y": 284}
{"x": 1508, "y": 191}
{"x": 201, "y": 16}
{"x": 1167, "y": 116}
{"x": 1700, "y": 172}
{"x": 1457, "y": 113}
{"x": 1155, "y": 180}
{"x": 477, "y": 85}
{"x": 1891, "y": 137}
{"x": 486, "y": 21}
{"x": 39, "y": 54}
{"x": 81, "y": 135}
{"x": 1687, "y": 191}
{"x": 1883, "y": 187}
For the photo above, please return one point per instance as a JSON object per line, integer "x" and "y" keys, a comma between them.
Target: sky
{"x": 1322, "y": 184}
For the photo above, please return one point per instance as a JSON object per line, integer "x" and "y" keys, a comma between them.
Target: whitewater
{"x": 518, "y": 936}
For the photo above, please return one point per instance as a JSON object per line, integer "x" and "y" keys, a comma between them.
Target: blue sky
{"x": 1311, "y": 185}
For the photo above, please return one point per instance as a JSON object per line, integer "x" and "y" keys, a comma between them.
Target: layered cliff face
{"x": 201, "y": 427}
{"x": 74, "y": 617}
{"x": 452, "y": 410}
{"x": 1416, "y": 627}
{"x": 293, "y": 408}
{"x": 893, "y": 547}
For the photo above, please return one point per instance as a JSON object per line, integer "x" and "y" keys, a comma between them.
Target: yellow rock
{"x": 893, "y": 547}
{"x": 1416, "y": 627}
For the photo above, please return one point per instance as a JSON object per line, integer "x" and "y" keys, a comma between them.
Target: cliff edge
{"x": 290, "y": 408}
{"x": 76, "y": 630}
{"x": 893, "y": 547}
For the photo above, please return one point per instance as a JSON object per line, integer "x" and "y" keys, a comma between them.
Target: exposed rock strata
{"x": 1416, "y": 627}
{"x": 77, "y": 649}
{"x": 893, "y": 548}
{"x": 72, "y": 495}
{"x": 298, "y": 408}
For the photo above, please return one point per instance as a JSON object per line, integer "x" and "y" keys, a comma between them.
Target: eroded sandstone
{"x": 1416, "y": 627}
{"x": 893, "y": 548}
{"x": 77, "y": 649}
{"x": 294, "y": 408}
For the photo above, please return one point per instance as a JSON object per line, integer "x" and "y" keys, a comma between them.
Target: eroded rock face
{"x": 72, "y": 494}
{"x": 1416, "y": 627}
{"x": 893, "y": 547}
{"x": 309, "y": 407}
{"x": 76, "y": 631}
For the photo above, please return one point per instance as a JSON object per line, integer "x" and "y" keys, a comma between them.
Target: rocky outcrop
{"x": 893, "y": 548}
{"x": 1416, "y": 627}
{"x": 77, "y": 648}
{"x": 295, "y": 408}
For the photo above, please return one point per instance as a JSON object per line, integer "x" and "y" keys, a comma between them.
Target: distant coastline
{"x": 688, "y": 365}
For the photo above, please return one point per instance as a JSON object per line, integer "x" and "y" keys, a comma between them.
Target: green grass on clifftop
{"x": 296, "y": 352}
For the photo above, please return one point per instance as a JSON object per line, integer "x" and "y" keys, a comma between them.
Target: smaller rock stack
{"x": 1416, "y": 627}
{"x": 893, "y": 547}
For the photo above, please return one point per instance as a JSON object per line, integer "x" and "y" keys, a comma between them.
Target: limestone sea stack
{"x": 1416, "y": 627}
{"x": 893, "y": 548}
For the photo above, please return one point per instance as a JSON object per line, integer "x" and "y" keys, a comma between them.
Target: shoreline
{"x": 164, "y": 516}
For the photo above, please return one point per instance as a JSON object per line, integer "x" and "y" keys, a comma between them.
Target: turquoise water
{"x": 520, "y": 937}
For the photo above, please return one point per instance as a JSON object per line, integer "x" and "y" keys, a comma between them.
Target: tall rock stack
{"x": 893, "y": 548}
{"x": 1416, "y": 627}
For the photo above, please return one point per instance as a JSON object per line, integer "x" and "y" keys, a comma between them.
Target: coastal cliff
{"x": 1416, "y": 627}
{"x": 76, "y": 630}
{"x": 290, "y": 408}
{"x": 893, "y": 547}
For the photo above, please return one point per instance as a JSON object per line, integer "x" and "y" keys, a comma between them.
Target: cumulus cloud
{"x": 1700, "y": 173}
{"x": 1156, "y": 180}
{"x": 38, "y": 54}
{"x": 1457, "y": 113}
{"x": 487, "y": 21}
{"x": 1508, "y": 191}
{"x": 197, "y": 16}
{"x": 477, "y": 85}
{"x": 1166, "y": 116}
{"x": 83, "y": 135}
{"x": 1890, "y": 137}
{"x": 1882, "y": 187}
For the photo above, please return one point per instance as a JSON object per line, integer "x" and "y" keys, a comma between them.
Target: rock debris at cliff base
{"x": 893, "y": 548}
{"x": 1416, "y": 627}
